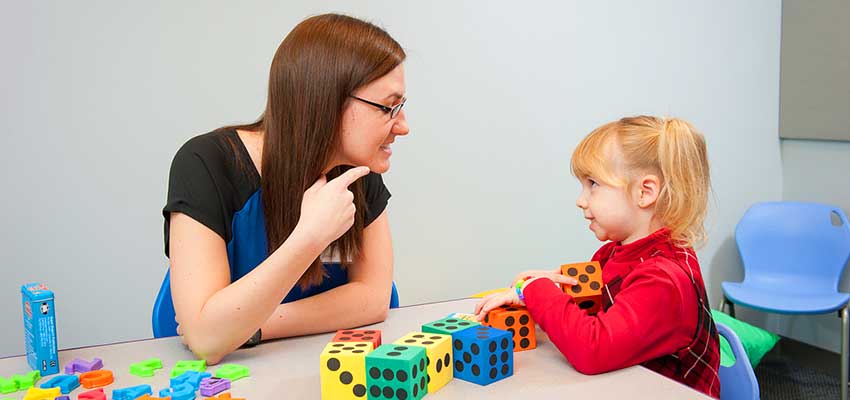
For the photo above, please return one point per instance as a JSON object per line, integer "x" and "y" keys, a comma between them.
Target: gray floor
{"x": 794, "y": 370}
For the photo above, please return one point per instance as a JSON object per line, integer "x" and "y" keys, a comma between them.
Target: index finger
{"x": 348, "y": 177}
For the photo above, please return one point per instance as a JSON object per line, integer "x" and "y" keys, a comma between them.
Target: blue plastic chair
{"x": 738, "y": 381}
{"x": 793, "y": 255}
{"x": 162, "y": 317}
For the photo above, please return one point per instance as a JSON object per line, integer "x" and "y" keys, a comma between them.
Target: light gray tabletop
{"x": 289, "y": 368}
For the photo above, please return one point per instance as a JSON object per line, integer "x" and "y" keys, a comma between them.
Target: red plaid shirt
{"x": 655, "y": 313}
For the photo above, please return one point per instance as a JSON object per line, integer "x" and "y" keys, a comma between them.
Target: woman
{"x": 253, "y": 210}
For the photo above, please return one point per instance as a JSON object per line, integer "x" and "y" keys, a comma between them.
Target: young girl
{"x": 645, "y": 183}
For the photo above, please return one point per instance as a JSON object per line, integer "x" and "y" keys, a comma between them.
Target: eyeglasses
{"x": 392, "y": 111}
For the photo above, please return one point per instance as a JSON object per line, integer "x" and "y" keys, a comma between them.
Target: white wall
{"x": 100, "y": 96}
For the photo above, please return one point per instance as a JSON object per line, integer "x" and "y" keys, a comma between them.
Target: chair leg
{"x": 845, "y": 346}
{"x": 722, "y": 304}
{"x": 732, "y": 309}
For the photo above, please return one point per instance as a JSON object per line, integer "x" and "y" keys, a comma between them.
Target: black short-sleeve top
{"x": 214, "y": 182}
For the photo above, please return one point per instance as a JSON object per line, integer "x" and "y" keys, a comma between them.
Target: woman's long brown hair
{"x": 314, "y": 71}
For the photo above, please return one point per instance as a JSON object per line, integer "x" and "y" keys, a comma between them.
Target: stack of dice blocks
{"x": 516, "y": 320}
{"x": 343, "y": 363}
{"x": 481, "y": 354}
{"x": 588, "y": 292}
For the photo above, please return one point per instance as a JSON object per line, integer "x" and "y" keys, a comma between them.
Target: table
{"x": 289, "y": 368}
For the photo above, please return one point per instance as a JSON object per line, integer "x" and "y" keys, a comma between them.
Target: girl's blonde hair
{"x": 668, "y": 147}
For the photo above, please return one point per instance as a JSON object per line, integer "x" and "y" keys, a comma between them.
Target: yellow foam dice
{"x": 343, "y": 370}
{"x": 35, "y": 393}
{"x": 438, "y": 350}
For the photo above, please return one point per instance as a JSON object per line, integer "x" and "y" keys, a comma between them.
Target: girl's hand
{"x": 495, "y": 300}
{"x": 327, "y": 208}
{"x": 554, "y": 276}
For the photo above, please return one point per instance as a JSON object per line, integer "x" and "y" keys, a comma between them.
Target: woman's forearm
{"x": 351, "y": 305}
{"x": 233, "y": 314}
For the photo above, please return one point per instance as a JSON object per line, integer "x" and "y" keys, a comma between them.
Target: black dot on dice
{"x": 463, "y": 323}
{"x": 388, "y": 374}
{"x": 439, "y": 324}
{"x": 422, "y": 364}
{"x": 435, "y": 338}
{"x": 359, "y": 390}
{"x": 523, "y": 331}
{"x": 419, "y": 336}
{"x": 374, "y": 373}
{"x": 590, "y": 269}
{"x": 504, "y": 356}
{"x": 572, "y": 272}
{"x": 393, "y": 354}
{"x": 458, "y": 366}
{"x": 415, "y": 390}
{"x": 493, "y": 373}
{"x": 410, "y": 341}
{"x": 345, "y": 377}
{"x": 458, "y": 344}
{"x": 511, "y": 309}
{"x": 505, "y": 369}
{"x": 524, "y": 343}
{"x": 400, "y": 348}
{"x": 584, "y": 305}
{"x": 575, "y": 288}
{"x": 594, "y": 285}
{"x": 475, "y": 349}
{"x": 447, "y": 359}
{"x": 523, "y": 319}
{"x": 482, "y": 337}
{"x": 467, "y": 357}
{"x": 345, "y": 338}
{"x": 422, "y": 383}
{"x": 476, "y": 370}
{"x": 504, "y": 344}
{"x": 348, "y": 348}
{"x": 414, "y": 372}
{"x": 493, "y": 346}
{"x": 360, "y": 345}
{"x": 333, "y": 364}
{"x": 429, "y": 378}
{"x": 388, "y": 392}
{"x": 451, "y": 328}
{"x": 451, "y": 320}
{"x": 347, "y": 332}
{"x": 493, "y": 359}
{"x": 401, "y": 394}
{"x": 509, "y": 321}
{"x": 583, "y": 278}
{"x": 427, "y": 360}
{"x": 401, "y": 376}
{"x": 338, "y": 345}
{"x": 367, "y": 338}
{"x": 375, "y": 391}
{"x": 334, "y": 351}
{"x": 439, "y": 365}
{"x": 427, "y": 342}
{"x": 368, "y": 332}
{"x": 487, "y": 318}
{"x": 357, "y": 335}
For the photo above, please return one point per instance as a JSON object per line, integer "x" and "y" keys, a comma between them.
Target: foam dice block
{"x": 397, "y": 372}
{"x": 448, "y": 326}
{"x": 343, "y": 370}
{"x": 438, "y": 356}
{"x": 353, "y": 335}
{"x": 483, "y": 355}
{"x": 588, "y": 292}
{"x": 516, "y": 320}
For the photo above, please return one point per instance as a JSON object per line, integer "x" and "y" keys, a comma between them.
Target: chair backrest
{"x": 807, "y": 241}
{"x": 737, "y": 382}
{"x": 162, "y": 317}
